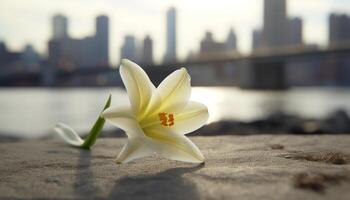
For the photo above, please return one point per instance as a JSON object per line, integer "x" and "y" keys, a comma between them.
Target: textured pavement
{"x": 236, "y": 167}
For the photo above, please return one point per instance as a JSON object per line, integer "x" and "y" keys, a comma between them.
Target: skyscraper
{"x": 170, "y": 54}
{"x": 147, "y": 50}
{"x": 275, "y": 23}
{"x": 339, "y": 34}
{"x": 295, "y": 31}
{"x": 128, "y": 50}
{"x": 101, "y": 36}
{"x": 59, "y": 27}
{"x": 231, "y": 41}
{"x": 339, "y": 28}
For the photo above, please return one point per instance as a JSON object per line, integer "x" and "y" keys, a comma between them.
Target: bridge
{"x": 263, "y": 69}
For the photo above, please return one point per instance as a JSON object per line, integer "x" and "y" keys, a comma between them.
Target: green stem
{"x": 96, "y": 129}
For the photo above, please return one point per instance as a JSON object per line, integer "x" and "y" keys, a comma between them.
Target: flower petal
{"x": 135, "y": 148}
{"x": 117, "y": 112}
{"x": 174, "y": 146}
{"x": 138, "y": 85}
{"x": 68, "y": 134}
{"x": 123, "y": 118}
{"x": 175, "y": 90}
{"x": 191, "y": 118}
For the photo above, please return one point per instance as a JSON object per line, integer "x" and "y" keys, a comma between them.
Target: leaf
{"x": 96, "y": 129}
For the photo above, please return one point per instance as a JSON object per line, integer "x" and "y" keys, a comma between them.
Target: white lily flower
{"x": 158, "y": 118}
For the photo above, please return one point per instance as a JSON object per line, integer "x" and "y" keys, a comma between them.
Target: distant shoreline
{"x": 276, "y": 123}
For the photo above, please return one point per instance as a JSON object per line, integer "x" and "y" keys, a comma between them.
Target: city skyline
{"x": 67, "y": 52}
{"x": 188, "y": 39}
{"x": 279, "y": 29}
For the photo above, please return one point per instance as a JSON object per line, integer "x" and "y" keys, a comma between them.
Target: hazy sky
{"x": 29, "y": 21}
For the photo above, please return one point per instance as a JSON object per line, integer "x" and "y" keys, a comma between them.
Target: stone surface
{"x": 237, "y": 167}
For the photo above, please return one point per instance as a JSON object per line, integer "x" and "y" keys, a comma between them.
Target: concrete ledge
{"x": 237, "y": 167}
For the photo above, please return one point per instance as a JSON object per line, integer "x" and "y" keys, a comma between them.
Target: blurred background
{"x": 261, "y": 66}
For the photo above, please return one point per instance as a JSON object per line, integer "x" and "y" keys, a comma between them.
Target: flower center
{"x": 166, "y": 119}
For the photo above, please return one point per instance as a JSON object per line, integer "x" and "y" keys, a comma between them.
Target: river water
{"x": 32, "y": 112}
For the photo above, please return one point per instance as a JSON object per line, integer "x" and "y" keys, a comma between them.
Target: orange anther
{"x": 166, "y": 119}
{"x": 171, "y": 119}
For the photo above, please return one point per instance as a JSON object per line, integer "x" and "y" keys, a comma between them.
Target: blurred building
{"x": 336, "y": 71}
{"x": 128, "y": 49}
{"x": 147, "y": 50}
{"x": 295, "y": 31}
{"x": 170, "y": 54}
{"x": 339, "y": 28}
{"x": 102, "y": 39}
{"x": 256, "y": 39}
{"x": 7, "y": 58}
{"x": 278, "y": 30}
{"x": 67, "y": 53}
{"x": 275, "y": 23}
{"x": 231, "y": 41}
{"x": 30, "y": 58}
{"x": 209, "y": 46}
{"x": 26, "y": 60}
{"x": 59, "y": 27}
